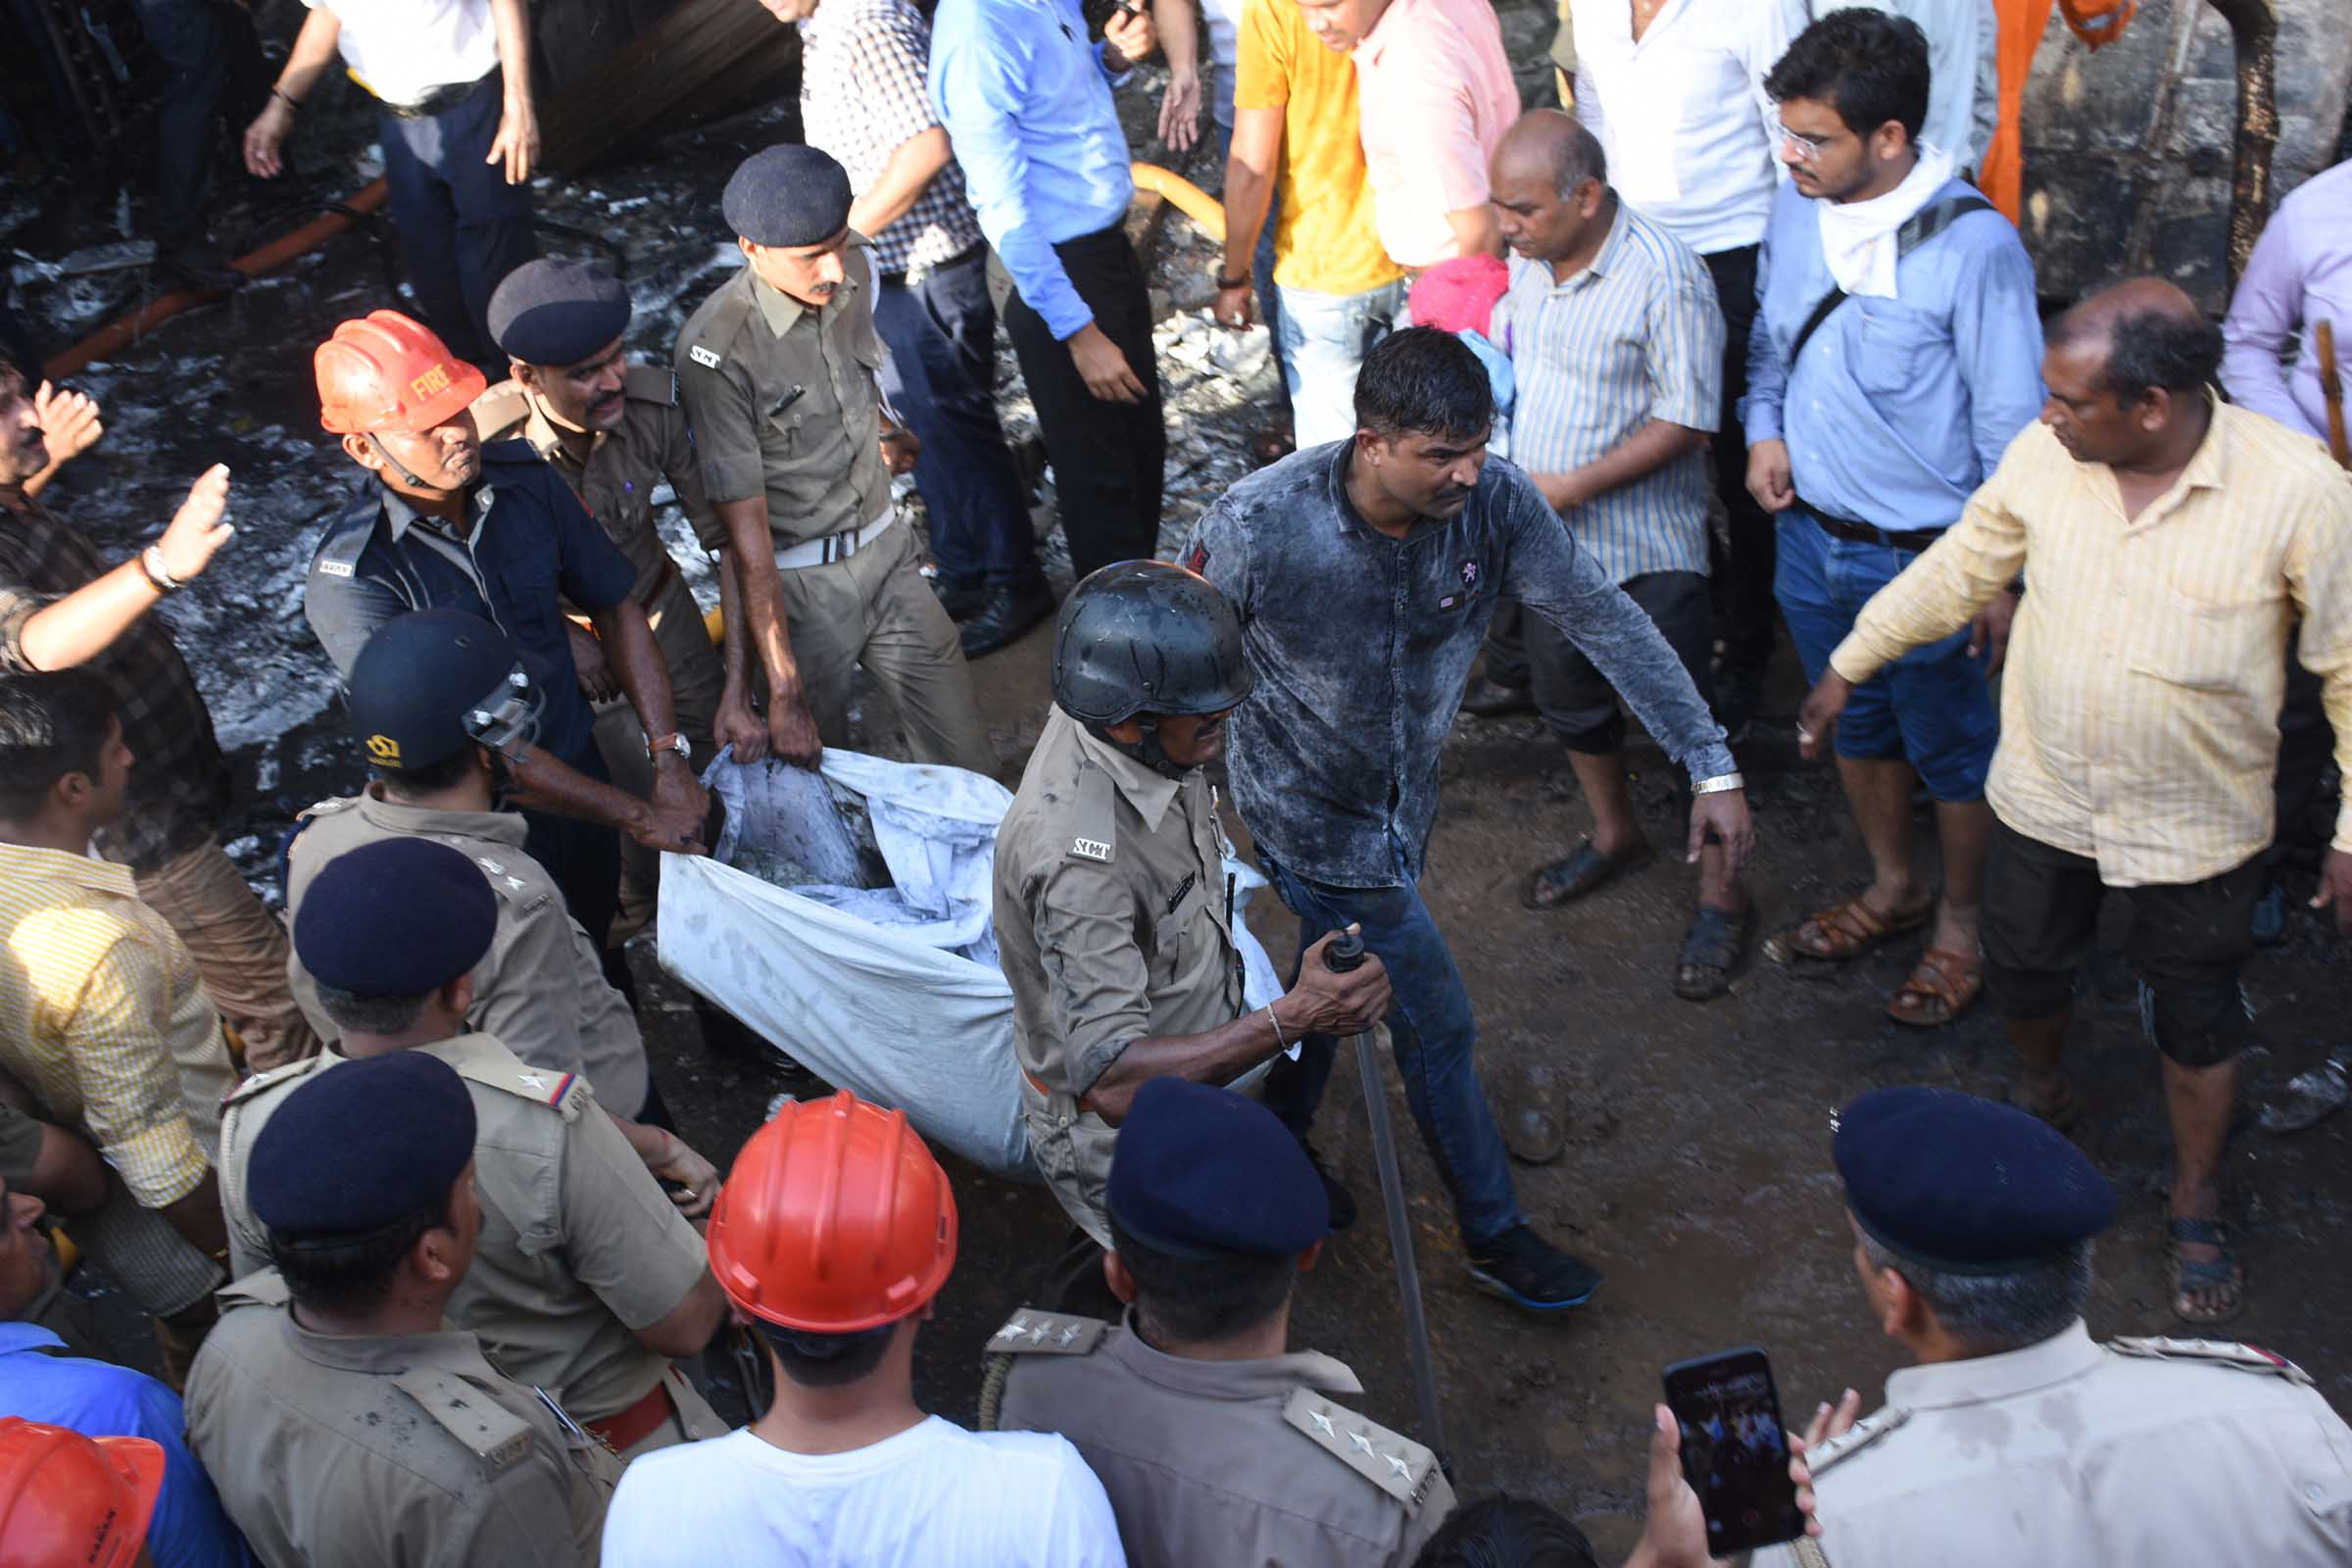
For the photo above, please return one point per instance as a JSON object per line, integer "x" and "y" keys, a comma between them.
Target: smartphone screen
{"x": 1734, "y": 1451}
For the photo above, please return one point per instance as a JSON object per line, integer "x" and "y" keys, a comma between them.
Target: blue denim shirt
{"x": 1027, "y": 100}
{"x": 1362, "y": 645}
{"x": 189, "y": 1529}
{"x": 1898, "y": 408}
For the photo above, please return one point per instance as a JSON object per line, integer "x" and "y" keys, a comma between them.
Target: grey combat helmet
{"x": 1144, "y": 639}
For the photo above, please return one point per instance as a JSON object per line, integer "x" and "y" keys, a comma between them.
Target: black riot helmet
{"x": 433, "y": 681}
{"x": 1145, "y": 639}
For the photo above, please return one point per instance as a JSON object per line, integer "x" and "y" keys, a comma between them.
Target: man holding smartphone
{"x": 2016, "y": 1437}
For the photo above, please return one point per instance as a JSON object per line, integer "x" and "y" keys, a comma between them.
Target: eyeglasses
{"x": 1807, "y": 149}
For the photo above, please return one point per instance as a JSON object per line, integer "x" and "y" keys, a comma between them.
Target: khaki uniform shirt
{"x": 2154, "y": 1453}
{"x": 579, "y": 1248}
{"x": 1116, "y": 871}
{"x": 540, "y": 989}
{"x": 624, "y": 464}
{"x": 386, "y": 1452}
{"x": 1242, "y": 1464}
{"x": 2140, "y": 716}
{"x": 785, "y": 403}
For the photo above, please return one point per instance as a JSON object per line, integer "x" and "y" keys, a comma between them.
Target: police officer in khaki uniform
{"x": 614, "y": 432}
{"x": 439, "y": 706}
{"x": 1216, "y": 1443}
{"x": 588, "y": 1281}
{"x": 343, "y": 1422}
{"x": 777, "y": 373}
{"x": 1111, "y": 861}
{"x": 2017, "y": 1438}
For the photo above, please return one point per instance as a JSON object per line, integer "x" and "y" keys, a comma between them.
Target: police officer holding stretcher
{"x": 1114, "y": 911}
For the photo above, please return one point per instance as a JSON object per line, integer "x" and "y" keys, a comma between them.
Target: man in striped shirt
{"x": 1617, "y": 344}
{"x": 2168, "y": 543}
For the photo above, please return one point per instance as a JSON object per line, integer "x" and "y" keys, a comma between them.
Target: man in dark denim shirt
{"x": 1365, "y": 572}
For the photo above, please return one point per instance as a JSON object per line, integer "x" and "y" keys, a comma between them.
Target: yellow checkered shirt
{"x": 103, "y": 1018}
{"x": 2140, "y": 705}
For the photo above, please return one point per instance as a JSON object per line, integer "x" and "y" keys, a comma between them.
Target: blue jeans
{"x": 939, "y": 371}
{"x": 1324, "y": 339}
{"x": 1432, "y": 1031}
{"x": 1930, "y": 708}
{"x": 461, "y": 227}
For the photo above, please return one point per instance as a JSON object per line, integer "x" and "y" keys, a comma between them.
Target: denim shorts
{"x": 1931, "y": 708}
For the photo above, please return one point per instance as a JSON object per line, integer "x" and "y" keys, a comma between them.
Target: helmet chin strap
{"x": 384, "y": 452}
{"x": 1146, "y": 751}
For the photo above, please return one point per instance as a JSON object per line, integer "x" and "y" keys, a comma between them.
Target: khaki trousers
{"x": 240, "y": 950}
{"x": 874, "y": 609}
{"x": 697, "y": 676}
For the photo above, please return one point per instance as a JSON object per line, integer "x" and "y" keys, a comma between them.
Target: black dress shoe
{"x": 1489, "y": 699}
{"x": 1009, "y": 613}
{"x": 961, "y": 600}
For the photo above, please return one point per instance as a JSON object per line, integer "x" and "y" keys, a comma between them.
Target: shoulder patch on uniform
{"x": 702, "y": 357}
{"x": 262, "y": 1082}
{"x": 493, "y": 1434}
{"x": 1095, "y": 827}
{"x": 327, "y": 808}
{"x": 648, "y": 385}
{"x": 2219, "y": 1352}
{"x": 334, "y": 568}
{"x": 1030, "y": 1331}
{"x": 1396, "y": 1465}
{"x": 1861, "y": 1435}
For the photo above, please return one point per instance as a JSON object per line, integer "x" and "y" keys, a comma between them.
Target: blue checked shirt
{"x": 865, "y": 93}
{"x": 1027, "y": 100}
{"x": 1633, "y": 337}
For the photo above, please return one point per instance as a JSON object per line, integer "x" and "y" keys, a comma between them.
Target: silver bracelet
{"x": 1718, "y": 784}
{"x": 1280, "y": 1044}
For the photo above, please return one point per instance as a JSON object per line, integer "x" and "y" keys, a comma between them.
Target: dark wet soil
{"x": 1697, "y": 1172}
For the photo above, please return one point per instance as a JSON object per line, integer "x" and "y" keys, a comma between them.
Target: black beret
{"x": 557, "y": 312}
{"x": 1965, "y": 1185}
{"x": 1197, "y": 1171}
{"x": 396, "y": 918}
{"x": 788, "y": 195}
{"x": 362, "y": 1145}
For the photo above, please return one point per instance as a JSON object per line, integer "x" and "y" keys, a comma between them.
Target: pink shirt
{"x": 1437, "y": 95}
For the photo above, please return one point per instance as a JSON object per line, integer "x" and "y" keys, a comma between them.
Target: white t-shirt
{"x": 933, "y": 1496}
{"x": 403, "y": 49}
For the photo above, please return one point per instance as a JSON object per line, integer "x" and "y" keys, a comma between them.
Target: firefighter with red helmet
{"x": 68, "y": 1498}
{"x": 442, "y": 521}
{"x": 833, "y": 1237}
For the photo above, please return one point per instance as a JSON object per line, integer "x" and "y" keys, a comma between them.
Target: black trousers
{"x": 2306, "y": 744}
{"x": 1109, "y": 457}
{"x": 212, "y": 69}
{"x": 1742, "y": 578}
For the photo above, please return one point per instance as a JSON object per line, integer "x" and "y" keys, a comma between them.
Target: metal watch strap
{"x": 151, "y": 563}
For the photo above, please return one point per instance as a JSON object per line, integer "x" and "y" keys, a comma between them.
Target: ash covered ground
{"x": 1696, "y": 1171}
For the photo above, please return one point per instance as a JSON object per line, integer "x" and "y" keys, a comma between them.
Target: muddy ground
{"x": 1697, "y": 1172}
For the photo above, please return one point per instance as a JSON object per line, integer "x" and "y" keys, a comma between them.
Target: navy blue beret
{"x": 1963, "y": 1184}
{"x": 396, "y": 918}
{"x": 549, "y": 312}
{"x": 788, "y": 195}
{"x": 1197, "y": 1171}
{"x": 360, "y": 1145}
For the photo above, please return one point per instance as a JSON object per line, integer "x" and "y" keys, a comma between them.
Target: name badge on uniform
{"x": 1092, "y": 848}
{"x": 702, "y": 357}
{"x": 335, "y": 568}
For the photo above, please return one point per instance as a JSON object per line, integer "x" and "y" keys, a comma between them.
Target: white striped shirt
{"x": 2140, "y": 713}
{"x": 1633, "y": 337}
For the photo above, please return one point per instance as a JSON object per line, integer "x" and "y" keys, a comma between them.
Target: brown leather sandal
{"x": 1843, "y": 931}
{"x": 1940, "y": 989}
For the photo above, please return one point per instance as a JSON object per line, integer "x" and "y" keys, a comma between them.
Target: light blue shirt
{"x": 1635, "y": 337}
{"x": 1026, "y": 99}
{"x": 99, "y": 1399}
{"x": 1899, "y": 408}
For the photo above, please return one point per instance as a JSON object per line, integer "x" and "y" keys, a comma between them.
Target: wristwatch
{"x": 668, "y": 742}
{"x": 151, "y": 564}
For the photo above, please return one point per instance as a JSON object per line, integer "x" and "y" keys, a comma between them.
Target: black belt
{"x": 440, "y": 99}
{"x": 977, "y": 248}
{"x": 1866, "y": 533}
